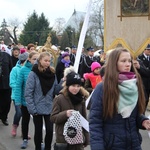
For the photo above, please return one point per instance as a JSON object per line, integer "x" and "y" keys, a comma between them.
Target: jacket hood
{"x": 28, "y": 64}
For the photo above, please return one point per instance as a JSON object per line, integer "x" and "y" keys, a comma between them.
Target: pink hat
{"x": 22, "y": 50}
{"x": 95, "y": 65}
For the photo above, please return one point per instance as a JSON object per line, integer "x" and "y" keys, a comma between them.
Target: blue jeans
{"x": 17, "y": 115}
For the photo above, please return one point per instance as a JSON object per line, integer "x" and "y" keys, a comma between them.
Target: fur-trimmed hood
{"x": 61, "y": 104}
{"x": 68, "y": 70}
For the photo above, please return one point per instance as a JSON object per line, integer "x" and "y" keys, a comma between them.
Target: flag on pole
{"x": 82, "y": 37}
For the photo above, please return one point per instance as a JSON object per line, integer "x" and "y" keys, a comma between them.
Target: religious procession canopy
{"x": 127, "y": 24}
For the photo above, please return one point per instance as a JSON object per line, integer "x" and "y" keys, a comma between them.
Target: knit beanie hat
{"x": 22, "y": 50}
{"x": 23, "y": 56}
{"x": 73, "y": 78}
{"x": 65, "y": 54}
{"x": 95, "y": 65}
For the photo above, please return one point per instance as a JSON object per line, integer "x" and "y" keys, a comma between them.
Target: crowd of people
{"x": 119, "y": 88}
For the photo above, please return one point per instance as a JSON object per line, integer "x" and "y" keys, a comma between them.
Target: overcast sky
{"x": 52, "y": 9}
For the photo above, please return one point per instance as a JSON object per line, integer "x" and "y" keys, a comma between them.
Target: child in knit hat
{"x": 23, "y": 57}
{"x": 71, "y": 98}
{"x": 93, "y": 78}
{"x": 12, "y": 82}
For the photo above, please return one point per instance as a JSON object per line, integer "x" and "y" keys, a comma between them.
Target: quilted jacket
{"x": 36, "y": 102}
{"x": 21, "y": 83}
{"x": 115, "y": 133}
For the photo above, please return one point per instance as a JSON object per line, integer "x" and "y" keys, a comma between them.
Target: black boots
{"x": 5, "y": 122}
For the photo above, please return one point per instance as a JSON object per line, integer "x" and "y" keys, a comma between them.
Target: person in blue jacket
{"x": 12, "y": 83}
{"x": 118, "y": 104}
{"x": 39, "y": 94}
{"x": 19, "y": 95}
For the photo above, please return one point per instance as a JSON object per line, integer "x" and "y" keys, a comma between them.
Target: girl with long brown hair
{"x": 118, "y": 104}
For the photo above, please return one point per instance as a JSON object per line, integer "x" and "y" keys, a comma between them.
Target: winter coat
{"x": 94, "y": 79}
{"x": 13, "y": 78}
{"x": 61, "y": 104}
{"x": 115, "y": 133}
{"x": 146, "y": 64}
{"x": 14, "y": 60}
{"x": 37, "y": 103}
{"x": 88, "y": 86}
{"x": 59, "y": 87}
{"x": 21, "y": 83}
{"x": 5, "y": 67}
{"x": 60, "y": 70}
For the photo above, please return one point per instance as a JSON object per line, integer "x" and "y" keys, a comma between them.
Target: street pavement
{"x": 7, "y": 142}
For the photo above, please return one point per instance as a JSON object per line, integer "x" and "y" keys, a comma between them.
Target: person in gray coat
{"x": 39, "y": 95}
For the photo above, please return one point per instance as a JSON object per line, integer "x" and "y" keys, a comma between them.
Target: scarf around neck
{"x": 66, "y": 62}
{"x": 75, "y": 99}
{"x": 128, "y": 93}
{"x": 46, "y": 78}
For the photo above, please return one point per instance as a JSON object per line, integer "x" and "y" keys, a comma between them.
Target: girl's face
{"x": 32, "y": 49}
{"x": 97, "y": 71}
{"x": 124, "y": 62}
{"x": 16, "y": 53}
{"x": 45, "y": 61}
{"x": 74, "y": 89}
{"x": 33, "y": 58}
{"x": 67, "y": 58}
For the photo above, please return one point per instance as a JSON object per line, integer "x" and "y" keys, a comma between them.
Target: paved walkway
{"x": 9, "y": 143}
{"x": 2, "y": 147}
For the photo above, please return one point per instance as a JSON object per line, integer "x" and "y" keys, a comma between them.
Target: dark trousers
{"x": 38, "y": 124}
{"x": 25, "y": 122}
{"x": 5, "y": 101}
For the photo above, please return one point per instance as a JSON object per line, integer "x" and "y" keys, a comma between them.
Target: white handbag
{"x": 73, "y": 129}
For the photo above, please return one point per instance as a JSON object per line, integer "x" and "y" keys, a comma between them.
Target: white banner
{"x": 82, "y": 37}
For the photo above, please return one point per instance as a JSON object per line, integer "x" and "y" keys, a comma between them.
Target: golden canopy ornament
{"x": 132, "y": 32}
{"x": 48, "y": 48}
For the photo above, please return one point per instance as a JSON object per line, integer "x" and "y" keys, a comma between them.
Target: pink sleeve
{"x": 86, "y": 76}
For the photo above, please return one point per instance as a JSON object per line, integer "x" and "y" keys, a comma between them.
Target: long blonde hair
{"x": 40, "y": 67}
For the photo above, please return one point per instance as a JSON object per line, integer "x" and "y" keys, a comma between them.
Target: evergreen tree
{"x": 43, "y": 29}
{"x": 54, "y": 40}
{"x": 36, "y": 29}
{"x": 64, "y": 40}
